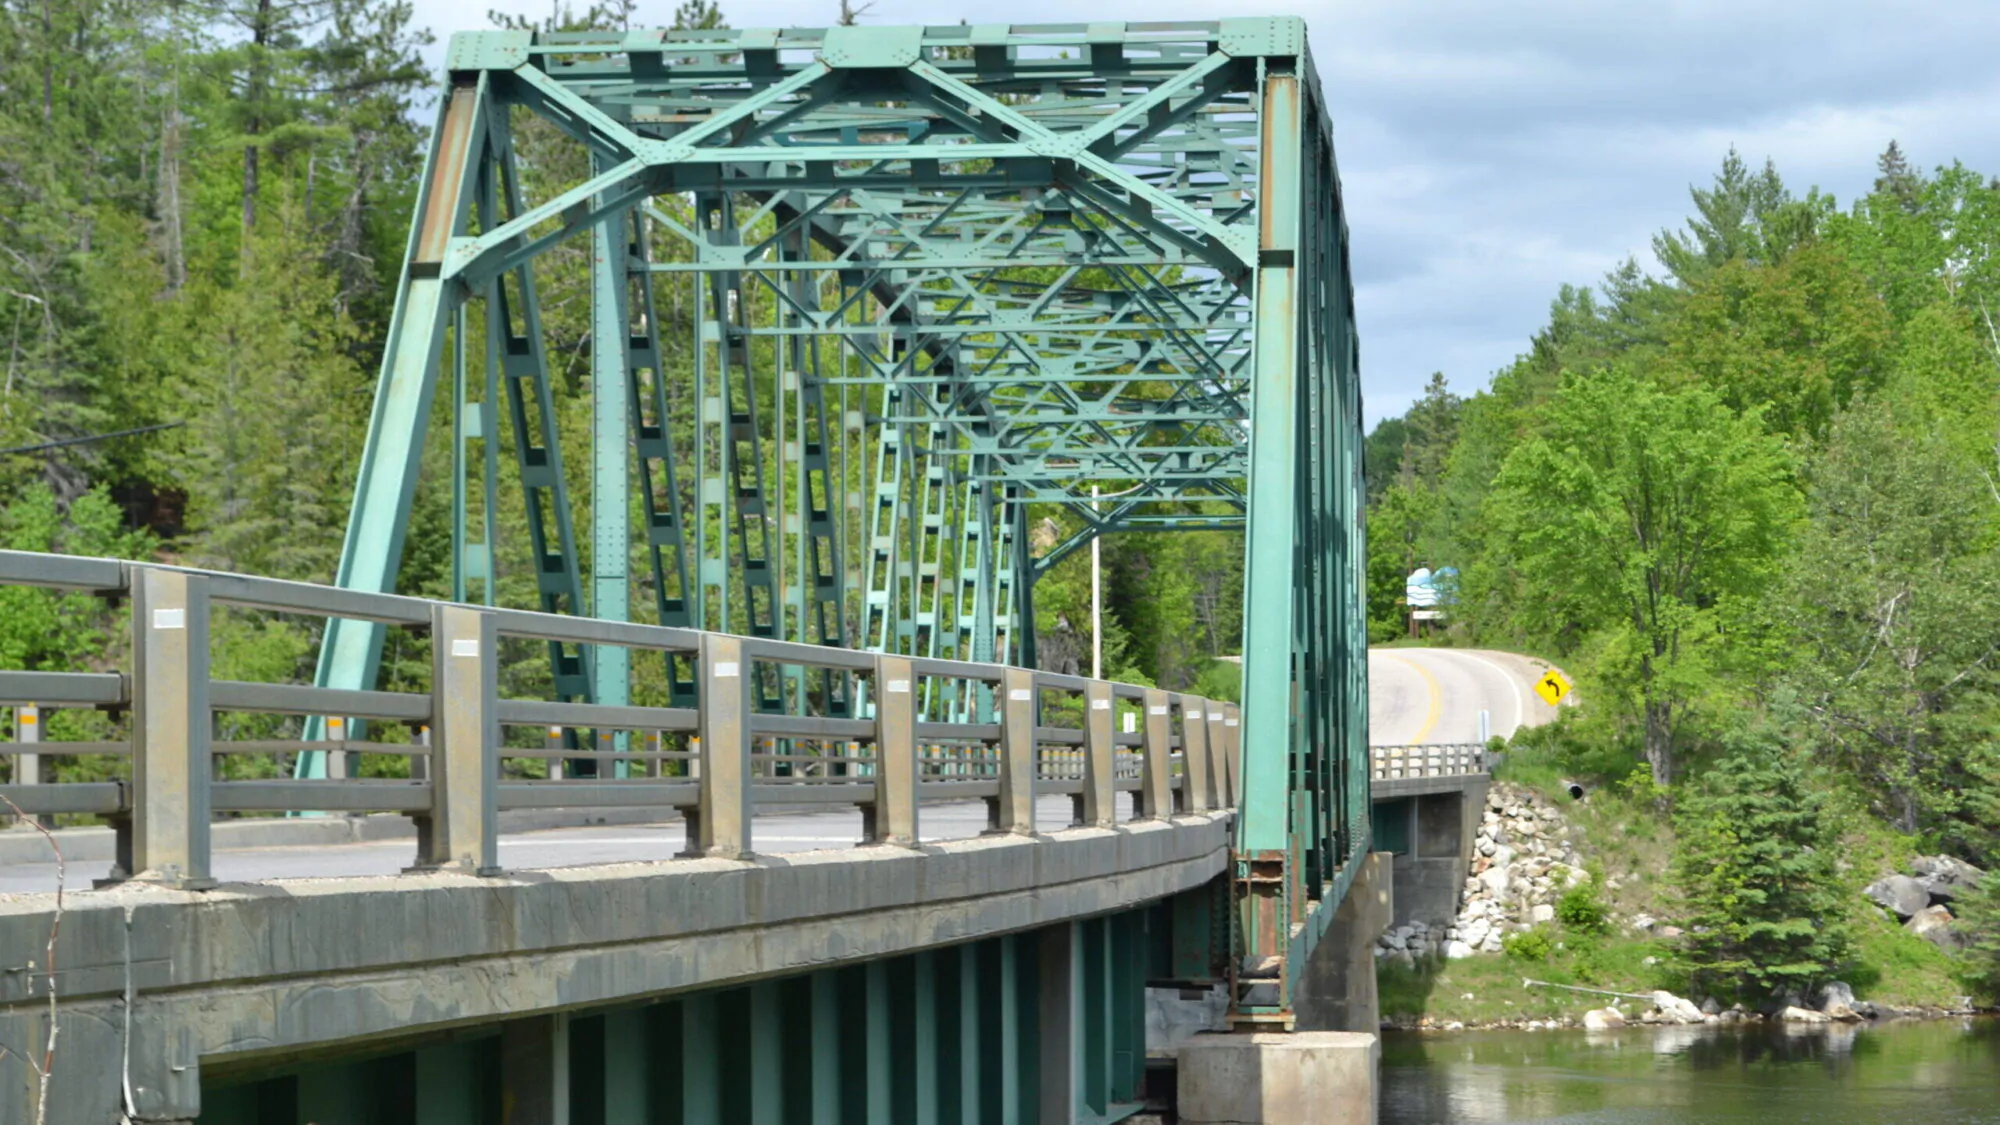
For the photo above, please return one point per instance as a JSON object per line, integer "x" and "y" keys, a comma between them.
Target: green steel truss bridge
{"x": 944, "y": 282}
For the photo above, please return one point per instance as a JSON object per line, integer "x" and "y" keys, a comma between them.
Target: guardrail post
{"x": 1014, "y": 809}
{"x": 462, "y": 830}
{"x": 1232, "y": 752}
{"x": 1156, "y": 793}
{"x": 892, "y": 819}
{"x": 722, "y": 824}
{"x": 27, "y": 766}
{"x": 1195, "y": 785}
{"x": 1098, "y": 802}
{"x": 1218, "y": 757}
{"x": 171, "y": 727}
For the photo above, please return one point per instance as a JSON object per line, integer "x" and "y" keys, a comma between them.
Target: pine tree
{"x": 1897, "y": 179}
{"x": 1745, "y": 216}
{"x": 1764, "y": 904}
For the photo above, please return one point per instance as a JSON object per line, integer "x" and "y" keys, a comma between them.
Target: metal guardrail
{"x": 716, "y": 763}
{"x": 1444, "y": 759}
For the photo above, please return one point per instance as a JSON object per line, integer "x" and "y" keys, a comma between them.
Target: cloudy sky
{"x": 1492, "y": 151}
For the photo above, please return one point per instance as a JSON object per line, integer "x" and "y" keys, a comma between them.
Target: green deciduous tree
{"x": 1764, "y": 903}
{"x": 1894, "y": 600}
{"x": 1796, "y": 340}
{"x": 1647, "y": 511}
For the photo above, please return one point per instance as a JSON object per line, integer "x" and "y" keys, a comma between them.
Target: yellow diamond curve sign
{"x": 1552, "y": 687}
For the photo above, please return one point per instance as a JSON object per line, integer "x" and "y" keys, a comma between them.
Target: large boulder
{"x": 1898, "y": 894}
{"x": 1944, "y": 877}
{"x": 1794, "y": 1014}
{"x": 1933, "y": 924}
{"x": 1602, "y": 1019}
{"x": 1836, "y": 994}
{"x": 1674, "y": 1009}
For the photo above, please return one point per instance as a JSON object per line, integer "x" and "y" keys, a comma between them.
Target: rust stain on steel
{"x": 1281, "y": 115}
{"x": 441, "y": 202}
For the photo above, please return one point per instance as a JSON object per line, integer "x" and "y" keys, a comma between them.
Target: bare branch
{"x": 46, "y": 1071}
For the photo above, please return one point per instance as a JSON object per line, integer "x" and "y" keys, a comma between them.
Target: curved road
{"x": 1420, "y": 695}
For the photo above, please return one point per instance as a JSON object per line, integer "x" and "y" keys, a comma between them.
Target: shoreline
{"x": 1883, "y": 1016}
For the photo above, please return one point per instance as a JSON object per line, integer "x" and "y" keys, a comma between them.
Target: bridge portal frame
{"x": 941, "y": 278}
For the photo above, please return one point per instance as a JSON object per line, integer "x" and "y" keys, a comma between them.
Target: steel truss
{"x": 942, "y": 278}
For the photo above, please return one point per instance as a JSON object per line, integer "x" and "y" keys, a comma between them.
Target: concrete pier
{"x": 1279, "y": 1078}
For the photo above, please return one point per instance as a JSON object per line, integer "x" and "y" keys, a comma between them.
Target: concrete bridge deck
{"x": 159, "y": 984}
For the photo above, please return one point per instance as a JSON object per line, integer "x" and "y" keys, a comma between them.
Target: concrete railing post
{"x": 1156, "y": 794}
{"x": 1232, "y": 756}
{"x": 1196, "y": 786}
{"x": 171, "y": 724}
{"x": 1014, "y": 808}
{"x": 462, "y": 830}
{"x": 1218, "y": 756}
{"x": 1100, "y": 758}
{"x": 893, "y": 817}
{"x": 724, "y": 820}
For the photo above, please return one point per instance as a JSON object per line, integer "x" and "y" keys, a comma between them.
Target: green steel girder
{"x": 1045, "y": 1025}
{"x": 942, "y": 281}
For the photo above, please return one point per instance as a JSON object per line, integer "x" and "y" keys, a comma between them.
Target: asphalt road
{"x": 1429, "y": 695}
{"x": 560, "y": 847}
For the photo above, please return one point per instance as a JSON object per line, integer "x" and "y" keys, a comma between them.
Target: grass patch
{"x": 1894, "y": 966}
{"x": 1439, "y": 989}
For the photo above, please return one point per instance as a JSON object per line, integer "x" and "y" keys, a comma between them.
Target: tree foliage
{"x": 1649, "y": 512}
{"x": 1755, "y": 487}
{"x": 1764, "y": 900}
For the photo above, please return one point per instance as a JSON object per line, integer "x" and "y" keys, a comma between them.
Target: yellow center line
{"x": 1436, "y": 710}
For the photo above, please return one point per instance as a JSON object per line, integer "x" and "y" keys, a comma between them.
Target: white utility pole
{"x": 1096, "y": 597}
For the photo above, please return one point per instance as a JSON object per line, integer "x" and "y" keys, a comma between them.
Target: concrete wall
{"x": 1338, "y": 992}
{"x": 273, "y": 970}
{"x": 1430, "y": 877}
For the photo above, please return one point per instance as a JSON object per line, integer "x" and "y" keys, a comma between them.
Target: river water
{"x": 1944, "y": 1072}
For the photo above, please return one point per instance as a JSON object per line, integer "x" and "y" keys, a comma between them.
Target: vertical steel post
{"x": 461, "y": 831}
{"x": 1002, "y": 990}
{"x": 1095, "y": 993}
{"x": 1100, "y": 758}
{"x": 534, "y": 1069}
{"x": 1058, "y": 1021}
{"x": 970, "y": 1043}
{"x": 1014, "y": 808}
{"x": 878, "y": 1067}
{"x": 723, "y": 823}
{"x": 1271, "y": 556}
{"x": 611, "y": 465}
{"x": 171, "y": 722}
{"x": 701, "y": 1061}
{"x": 1156, "y": 794}
{"x": 1197, "y": 788}
{"x": 824, "y": 1033}
{"x": 767, "y": 1055}
{"x": 892, "y": 819}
